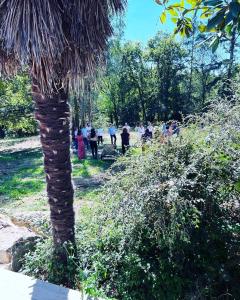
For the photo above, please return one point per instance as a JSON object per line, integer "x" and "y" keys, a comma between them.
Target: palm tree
{"x": 61, "y": 42}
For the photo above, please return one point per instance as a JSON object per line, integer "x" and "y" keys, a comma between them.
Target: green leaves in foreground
{"x": 219, "y": 17}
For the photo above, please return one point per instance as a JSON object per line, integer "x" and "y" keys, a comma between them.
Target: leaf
{"x": 214, "y": 44}
{"x": 229, "y": 18}
{"x": 237, "y": 186}
{"x": 174, "y": 20}
{"x": 228, "y": 29}
{"x": 172, "y": 11}
{"x": 234, "y": 9}
{"x": 216, "y": 20}
{"x": 202, "y": 28}
{"x": 193, "y": 3}
{"x": 212, "y": 2}
{"x": 163, "y": 17}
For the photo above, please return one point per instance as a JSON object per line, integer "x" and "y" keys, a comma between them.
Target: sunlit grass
{"x": 88, "y": 167}
{"x": 24, "y": 182}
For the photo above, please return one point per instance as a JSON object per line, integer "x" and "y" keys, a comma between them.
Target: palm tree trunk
{"x": 53, "y": 115}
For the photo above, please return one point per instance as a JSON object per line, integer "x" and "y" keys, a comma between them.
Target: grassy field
{"x": 22, "y": 179}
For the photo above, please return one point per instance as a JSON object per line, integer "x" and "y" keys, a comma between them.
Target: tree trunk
{"x": 53, "y": 115}
{"x": 193, "y": 46}
{"x": 231, "y": 53}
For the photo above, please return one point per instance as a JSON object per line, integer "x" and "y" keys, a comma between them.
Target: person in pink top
{"x": 81, "y": 145}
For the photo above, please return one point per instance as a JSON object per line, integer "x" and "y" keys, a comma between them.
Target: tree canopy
{"x": 221, "y": 18}
{"x": 16, "y": 107}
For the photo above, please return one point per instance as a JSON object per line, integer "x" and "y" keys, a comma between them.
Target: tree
{"x": 60, "y": 41}
{"x": 16, "y": 107}
{"x": 222, "y": 23}
{"x": 223, "y": 18}
{"x": 136, "y": 72}
{"x": 167, "y": 56}
{"x": 206, "y": 70}
{"x": 82, "y": 103}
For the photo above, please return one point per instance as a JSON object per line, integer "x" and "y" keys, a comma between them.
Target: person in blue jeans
{"x": 112, "y": 131}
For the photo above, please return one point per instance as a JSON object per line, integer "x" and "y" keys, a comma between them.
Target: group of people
{"x": 170, "y": 128}
{"x": 143, "y": 134}
{"x": 87, "y": 136}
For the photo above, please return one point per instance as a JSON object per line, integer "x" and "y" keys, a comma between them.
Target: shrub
{"x": 44, "y": 264}
{"x": 168, "y": 225}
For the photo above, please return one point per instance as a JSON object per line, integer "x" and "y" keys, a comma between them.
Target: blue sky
{"x": 142, "y": 20}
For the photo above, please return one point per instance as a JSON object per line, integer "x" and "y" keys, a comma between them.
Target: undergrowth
{"x": 168, "y": 223}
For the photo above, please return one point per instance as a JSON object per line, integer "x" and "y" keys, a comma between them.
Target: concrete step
{"x": 5, "y": 266}
{"x": 16, "y": 286}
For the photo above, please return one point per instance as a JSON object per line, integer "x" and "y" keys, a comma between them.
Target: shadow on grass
{"x": 89, "y": 167}
{"x": 22, "y": 175}
{"x": 6, "y": 156}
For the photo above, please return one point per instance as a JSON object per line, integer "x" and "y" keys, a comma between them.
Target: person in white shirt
{"x": 85, "y": 136}
{"x": 141, "y": 131}
{"x": 150, "y": 129}
{"x": 100, "y": 135}
{"x": 75, "y": 133}
{"x": 127, "y": 127}
{"x": 88, "y": 127}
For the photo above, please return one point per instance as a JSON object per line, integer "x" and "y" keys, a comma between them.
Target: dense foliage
{"x": 222, "y": 18}
{"x": 162, "y": 80}
{"x": 168, "y": 224}
{"x": 16, "y": 107}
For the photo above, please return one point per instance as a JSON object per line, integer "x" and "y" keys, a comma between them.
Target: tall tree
{"x": 137, "y": 72}
{"x": 16, "y": 107}
{"x": 60, "y": 41}
{"x": 167, "y": 55}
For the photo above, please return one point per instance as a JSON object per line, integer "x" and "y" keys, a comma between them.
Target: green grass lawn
{"x": 22, "y": 178}
{"x": 88, "y": 167}
{"x": 22, "y": 174}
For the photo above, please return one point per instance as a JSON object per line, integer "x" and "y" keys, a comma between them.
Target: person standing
{"x": 93, "y": 143}
{"x": 141, "y": 131}
{"x": 85, "y": 136}
{"x": 145, "y": 139}
{"x": 100, "y": 135}
{"x": 175, "y": 128}
{"x": 127, "y": 127}
{"x": 170, "y": 130}
{"x": 75, "y": 142}
{"x": 150, "y": 129}
{"x": 81, "y": 146}
{"x": 147, "y": 135}
{"x": 164, "y": 129}
{"x": 88, "y": 127}
{"x": 125, "y": 140}
{"x": 112, "y": 131}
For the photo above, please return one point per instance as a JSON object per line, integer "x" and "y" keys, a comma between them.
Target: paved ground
{"x": 15, "y": 286}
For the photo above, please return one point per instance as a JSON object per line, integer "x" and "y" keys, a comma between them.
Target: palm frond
{"x": 58, "y": 39}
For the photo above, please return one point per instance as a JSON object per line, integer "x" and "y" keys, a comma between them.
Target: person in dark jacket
{"x": 125, "y": 136}
{"x": 93, "y": 143}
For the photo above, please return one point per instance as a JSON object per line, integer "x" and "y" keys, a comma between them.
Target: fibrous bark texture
{"x": 53, "y": 115}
